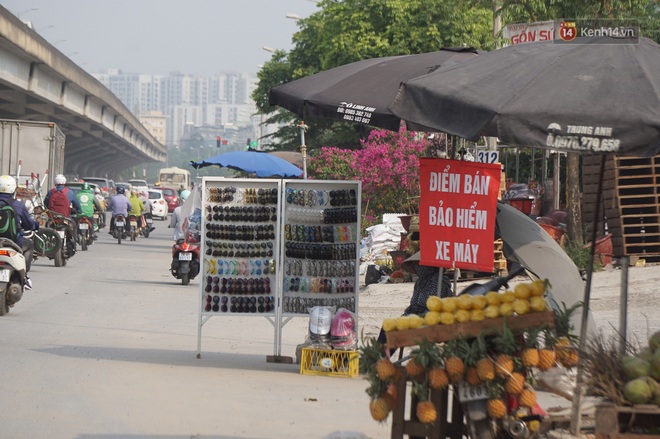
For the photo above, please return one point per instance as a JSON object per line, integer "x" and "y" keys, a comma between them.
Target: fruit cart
{"x": 448, "y": 403}
{"x": 471, "y": 366}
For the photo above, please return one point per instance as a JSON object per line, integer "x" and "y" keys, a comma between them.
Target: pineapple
{"x": 462, "y": 316}
{"x": 449, "y": 304}
{"x": 538, "y": 287}
{"x": 402, "y": 323}
{"x": 493, "y": 298}
{"x": 438, "y": 378}
{"x": 479, "y": 303}
{"x": 528, "y": 398}
{"x": 464, "y": 302}
{"x": 415, "y": 321}
{"x": 454, "y": 364}
{"x": 496, "y": 408}
{"x": 470, "y": 357}
{"x": 433, "y": 303}
{"x": 379, "y": 409}
{"x": 521, "y": 307}
{"x": 495, "y": 405}
{"x": 389, "y": 324}
{"x": 426, "y": 412}
{"x": 424, "y": 357}
{"x": 414, "y": 369}
{"x": 492, "y": 311}
{"x": 447, "y": 318}
{"x": 506, "y": 345}
{"x": 515, "y": 383}
{"x": 506, "y": 310}
{"x": 508, "y": 297}
{"x": 522, "y": 291}
{"x": 547, "y": 354}
{"x": 485, "y": 366}
{"x": 385, "y": 370}
{"x": 530, "y": 355}
{"x": 477, "y": 315}
{"x": 565, "y": 353}
{"x": 431, "y": 318}
{"x": 472, "y": 376}
{"x": 537, "y": 304}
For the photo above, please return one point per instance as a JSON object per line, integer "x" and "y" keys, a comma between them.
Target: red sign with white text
{"x": 457, "y": 213}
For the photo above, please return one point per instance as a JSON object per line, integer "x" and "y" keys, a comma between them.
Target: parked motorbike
{"x": 85, "y": 231}
{"x": 121, "y": 228}
{"x": 150, "y": 222}
{"x": 185, "y": 260}
{"x": 12, "y": 274}
{"x": 133, "y": 227}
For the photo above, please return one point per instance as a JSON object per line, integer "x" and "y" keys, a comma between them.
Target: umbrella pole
{"x": 577, "y": 394}
{"x": 303, "y": 147}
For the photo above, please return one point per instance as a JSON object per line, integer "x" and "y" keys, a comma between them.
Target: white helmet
{"x": 60, "y": 179}
{"x": 7, "y": 184}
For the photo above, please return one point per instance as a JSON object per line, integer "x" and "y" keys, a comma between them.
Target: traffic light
{"x": 248, "y": 143}
{"x": 218, "y": 142}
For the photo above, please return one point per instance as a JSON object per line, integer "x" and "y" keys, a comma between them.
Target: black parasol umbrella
{"x": 596, "y": 94}
{"x": 361, "y": 91}
{"x": 593, "y": 95}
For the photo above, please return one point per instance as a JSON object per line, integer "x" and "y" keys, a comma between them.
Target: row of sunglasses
{"x": 298, "y": 267}
{"x": 307, "y": 250}
{"x": 239, "y": 267}
{"x": 243, "y": 286}
{"x": 242, "y": 195}
{"x": 308, "y": 233}
{"x": 256, "y": 214}
{"x": 319, "y": 285}
{"x": 312, "y": 197}
{"x": 239, "y": 304}
{"x": 302, "y": 305}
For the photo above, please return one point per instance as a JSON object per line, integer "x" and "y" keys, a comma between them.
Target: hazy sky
{"x": 160, "y": 36}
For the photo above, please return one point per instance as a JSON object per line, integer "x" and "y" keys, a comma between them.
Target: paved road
{"x": 105, "y": 348}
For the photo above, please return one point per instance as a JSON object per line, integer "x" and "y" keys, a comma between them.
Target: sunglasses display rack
{"x": 277, "y": 248}
{"x": 320, "y": 245}
{"x": 240, "y": 247}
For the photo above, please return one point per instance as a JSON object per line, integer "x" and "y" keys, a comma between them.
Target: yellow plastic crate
{"x": 329, "y": 362}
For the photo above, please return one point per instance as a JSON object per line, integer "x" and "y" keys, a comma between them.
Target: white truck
{"x": 29, "y": 150}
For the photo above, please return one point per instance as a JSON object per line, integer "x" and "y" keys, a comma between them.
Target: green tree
{"x": 353, "y": 30}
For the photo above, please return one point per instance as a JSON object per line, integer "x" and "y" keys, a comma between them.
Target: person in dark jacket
{"x": 25, "y": 221}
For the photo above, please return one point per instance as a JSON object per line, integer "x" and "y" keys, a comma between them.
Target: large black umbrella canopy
{"x": 595, "y": 94}
{"x": 360, "y": 92}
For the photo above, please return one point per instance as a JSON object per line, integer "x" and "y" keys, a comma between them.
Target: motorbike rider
{"x": 137, "y": 208}
{"x": 88, "y": 203}
{"x": 25, "y": 221}
{"x": 52, "y": 199}
{"x": 144, "y": 197}
{"x": 176, "y": 222}
{"x": 99, "y": 197}
{"x": 120, "y": 205}
{"x": 61, "y": 200}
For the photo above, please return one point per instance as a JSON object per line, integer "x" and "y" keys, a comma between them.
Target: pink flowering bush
{"x": 387, "y": 165}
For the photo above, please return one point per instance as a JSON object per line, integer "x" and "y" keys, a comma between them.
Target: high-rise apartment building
{"x": 217, "y": 101}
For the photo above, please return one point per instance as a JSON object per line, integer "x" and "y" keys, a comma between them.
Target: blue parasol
{"x": 255, "y": 162}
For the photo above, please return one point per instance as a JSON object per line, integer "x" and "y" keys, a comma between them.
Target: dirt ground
{"x": 378, "y": 301}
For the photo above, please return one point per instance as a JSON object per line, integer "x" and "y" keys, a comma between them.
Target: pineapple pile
{"x": 525, "y": 298}
{"x": 504, "y": 363}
